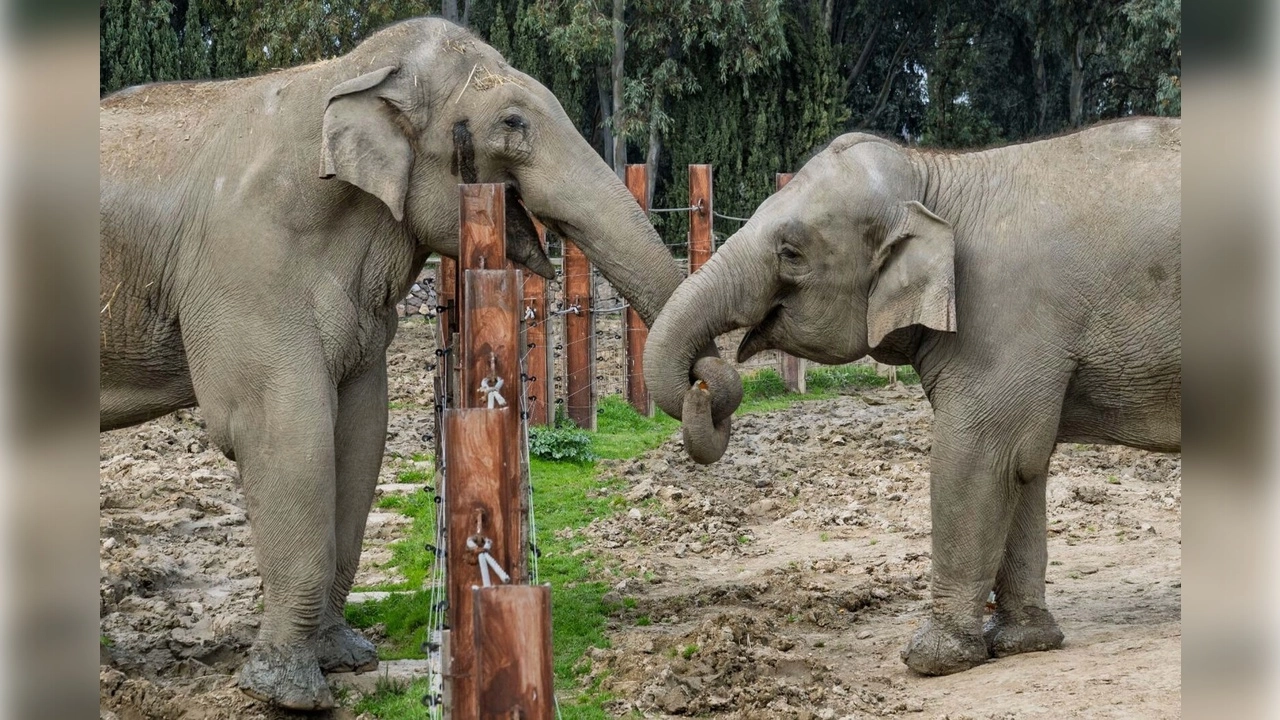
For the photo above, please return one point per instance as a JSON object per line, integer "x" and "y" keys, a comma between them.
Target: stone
{"x": 634, "y": 514}
{"x": 863, "y": 635}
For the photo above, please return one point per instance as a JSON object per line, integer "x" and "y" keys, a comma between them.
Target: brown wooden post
{"x": 793, "y": 368}
{"x": 481, "y": 505}
{"x": 634, "y": 331}
{"x": 482, "y": 235}
{"x": 579, "y": 339}
{"x": 446, "y": 326}
{"x": 513, "y": 652}
{"x": 540, "y": 386}
{"x": 699, "y": 218}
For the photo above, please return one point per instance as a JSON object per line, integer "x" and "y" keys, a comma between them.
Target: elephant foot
{"x": 341, "y": 649}
{"x": 287, "y": 677}
{"x": 938, "y": 651}
{"x": 1031, "y": 630}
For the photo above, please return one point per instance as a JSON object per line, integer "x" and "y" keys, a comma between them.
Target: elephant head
{"x": 828, "y": 268}
{"x": 423, "y": 105}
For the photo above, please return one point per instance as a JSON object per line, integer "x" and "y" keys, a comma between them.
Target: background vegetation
{"x": 750, "y": 86}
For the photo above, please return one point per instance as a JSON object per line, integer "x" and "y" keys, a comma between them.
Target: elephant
{"x": 256, "y": 235}
{"x": 1036, "y": 289}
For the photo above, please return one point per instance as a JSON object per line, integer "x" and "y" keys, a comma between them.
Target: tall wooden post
{"x": 699, "y": 218}
{"x": 579, "y": 339}
{"x": 634, "y": 332}
{"x": 793, "y": 368}
{"x": 484, "y": 495}
{"x": 539, "y": 386}
{"x": 484, "y": 507}
{"x": 513, "y": 664}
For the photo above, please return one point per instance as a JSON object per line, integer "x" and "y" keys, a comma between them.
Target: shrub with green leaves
{"x": 561, "y": 443}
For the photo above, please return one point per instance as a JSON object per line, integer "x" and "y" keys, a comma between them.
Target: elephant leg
{"x": 1022, "y": 621}
{"x": 360, "y": 435}
{"x": 268, "y": 401}
{"x": 980, "y": 472}
{"x": 284, "y": 448}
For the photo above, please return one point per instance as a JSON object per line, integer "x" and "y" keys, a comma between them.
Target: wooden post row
{"x": 579, "y": 339}
{"x": 700, "y": 197}
{"x": 539, "y": 387}
{"x": 793, "y": 368}
{"x": 634, "y": 331}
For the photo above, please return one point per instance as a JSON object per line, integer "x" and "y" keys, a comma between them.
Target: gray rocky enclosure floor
{"x": 779, "y": 583}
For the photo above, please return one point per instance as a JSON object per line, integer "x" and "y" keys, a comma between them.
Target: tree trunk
{"x": 655, "y": 149}
{"x": 1042, "y": 87}
{"x": 606, "y": 113}
{"x": 1077, "y": 80}
{"x": 619, "y": 52}
{"x": 864, "y": 57}
{"x": 449, "y": 9}
{"x": 895, "y": 65}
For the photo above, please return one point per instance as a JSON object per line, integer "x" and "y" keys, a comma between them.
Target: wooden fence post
{"x": 793, "y": 368}
{"x": 540, "y": 386}
{"x": 634, "y": 331}
{"x": 483, "y": 507}
{"x": 700, "y": 197}
{"x": 579, "y": 339}
{"x": 513, "y": 661}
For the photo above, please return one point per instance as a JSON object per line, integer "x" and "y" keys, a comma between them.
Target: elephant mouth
{"x": 759, "y": 338}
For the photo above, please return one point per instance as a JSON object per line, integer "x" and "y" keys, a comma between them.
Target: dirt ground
{"x": 781, "y": 582}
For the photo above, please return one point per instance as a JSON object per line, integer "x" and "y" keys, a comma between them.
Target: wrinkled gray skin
{"x": 256, "y": 235}
{"x": 1036, "y": 289}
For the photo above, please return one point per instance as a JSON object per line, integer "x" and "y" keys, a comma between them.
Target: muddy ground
{"x": 779, "y": 583}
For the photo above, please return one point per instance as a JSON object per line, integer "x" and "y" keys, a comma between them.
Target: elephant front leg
{"x": 285, "y": 453}
{"x": 980, "y": 473}
{"x": 360, "y": 434}
{"x": 1022, "y": 621}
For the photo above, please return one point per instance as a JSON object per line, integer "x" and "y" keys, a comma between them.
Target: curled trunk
{"x": 734, "y": 289}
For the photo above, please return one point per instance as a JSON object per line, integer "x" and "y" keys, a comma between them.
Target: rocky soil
{"x": 783, "y": 581}
{"x": 778, "y": 583}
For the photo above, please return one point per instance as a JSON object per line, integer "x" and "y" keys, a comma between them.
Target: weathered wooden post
{"x": 539, "y": 385}
{"x": 485, "y": 495}
{"x": 579, "y": 339}
{"x": 514, "y": 662}
{"x": 482, "y": 517}
{"x": 634, "y": 332}
{"x": 700, "y": 197}
{"x": 793, "y": 368}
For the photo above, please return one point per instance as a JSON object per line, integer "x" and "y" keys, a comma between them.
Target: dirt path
{"x": 784, "y": 581}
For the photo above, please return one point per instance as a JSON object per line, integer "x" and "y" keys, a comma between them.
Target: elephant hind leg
{"x": 1022, "y": 621}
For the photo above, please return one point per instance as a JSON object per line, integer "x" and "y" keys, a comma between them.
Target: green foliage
{"x": 560, "y": 443}
{"x": 406, "y": 619}
{"x": 761, "y": 384}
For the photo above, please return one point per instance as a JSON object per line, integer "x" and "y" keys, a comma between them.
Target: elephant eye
{"x": 788, "y": 253}
{"x": 515, "y": 122}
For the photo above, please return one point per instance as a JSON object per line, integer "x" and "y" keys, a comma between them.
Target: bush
{"x": 561, "y": 443}
{"x": 763, "y": 384}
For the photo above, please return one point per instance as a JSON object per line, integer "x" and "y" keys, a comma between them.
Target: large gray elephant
{"x": 256, "y": 235}
{"x": 1036, "y": 289}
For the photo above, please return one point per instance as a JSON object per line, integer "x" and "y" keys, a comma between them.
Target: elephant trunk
{"x": 733, "y": 290}
{"x": 592, "y": 207}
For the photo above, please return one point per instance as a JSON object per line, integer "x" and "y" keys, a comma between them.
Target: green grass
{"x": 566, "y": 495}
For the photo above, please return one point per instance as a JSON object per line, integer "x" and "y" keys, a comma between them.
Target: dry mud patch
{"x": 783, "y": 581}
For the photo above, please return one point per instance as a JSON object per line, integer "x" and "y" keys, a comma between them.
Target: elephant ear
{"x": 915, "y": 282}
{"x": 362, "y": 144}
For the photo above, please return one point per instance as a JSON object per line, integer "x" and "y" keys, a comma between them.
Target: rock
{"x": 613, "y": 597}
{"x": 798, "y": 515}
{"x": 634, "y": 513}
{"x": 679, "y": 550}
{"x": 674, "y": 700}
{"x": 642, "y": 491}
{"x": 669, "y": 492}
{"x": 863, "y": 635}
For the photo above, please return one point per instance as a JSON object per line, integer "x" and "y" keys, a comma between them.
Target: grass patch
{"x": 406, "y": 618}
{"x": 566, "y": 495}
